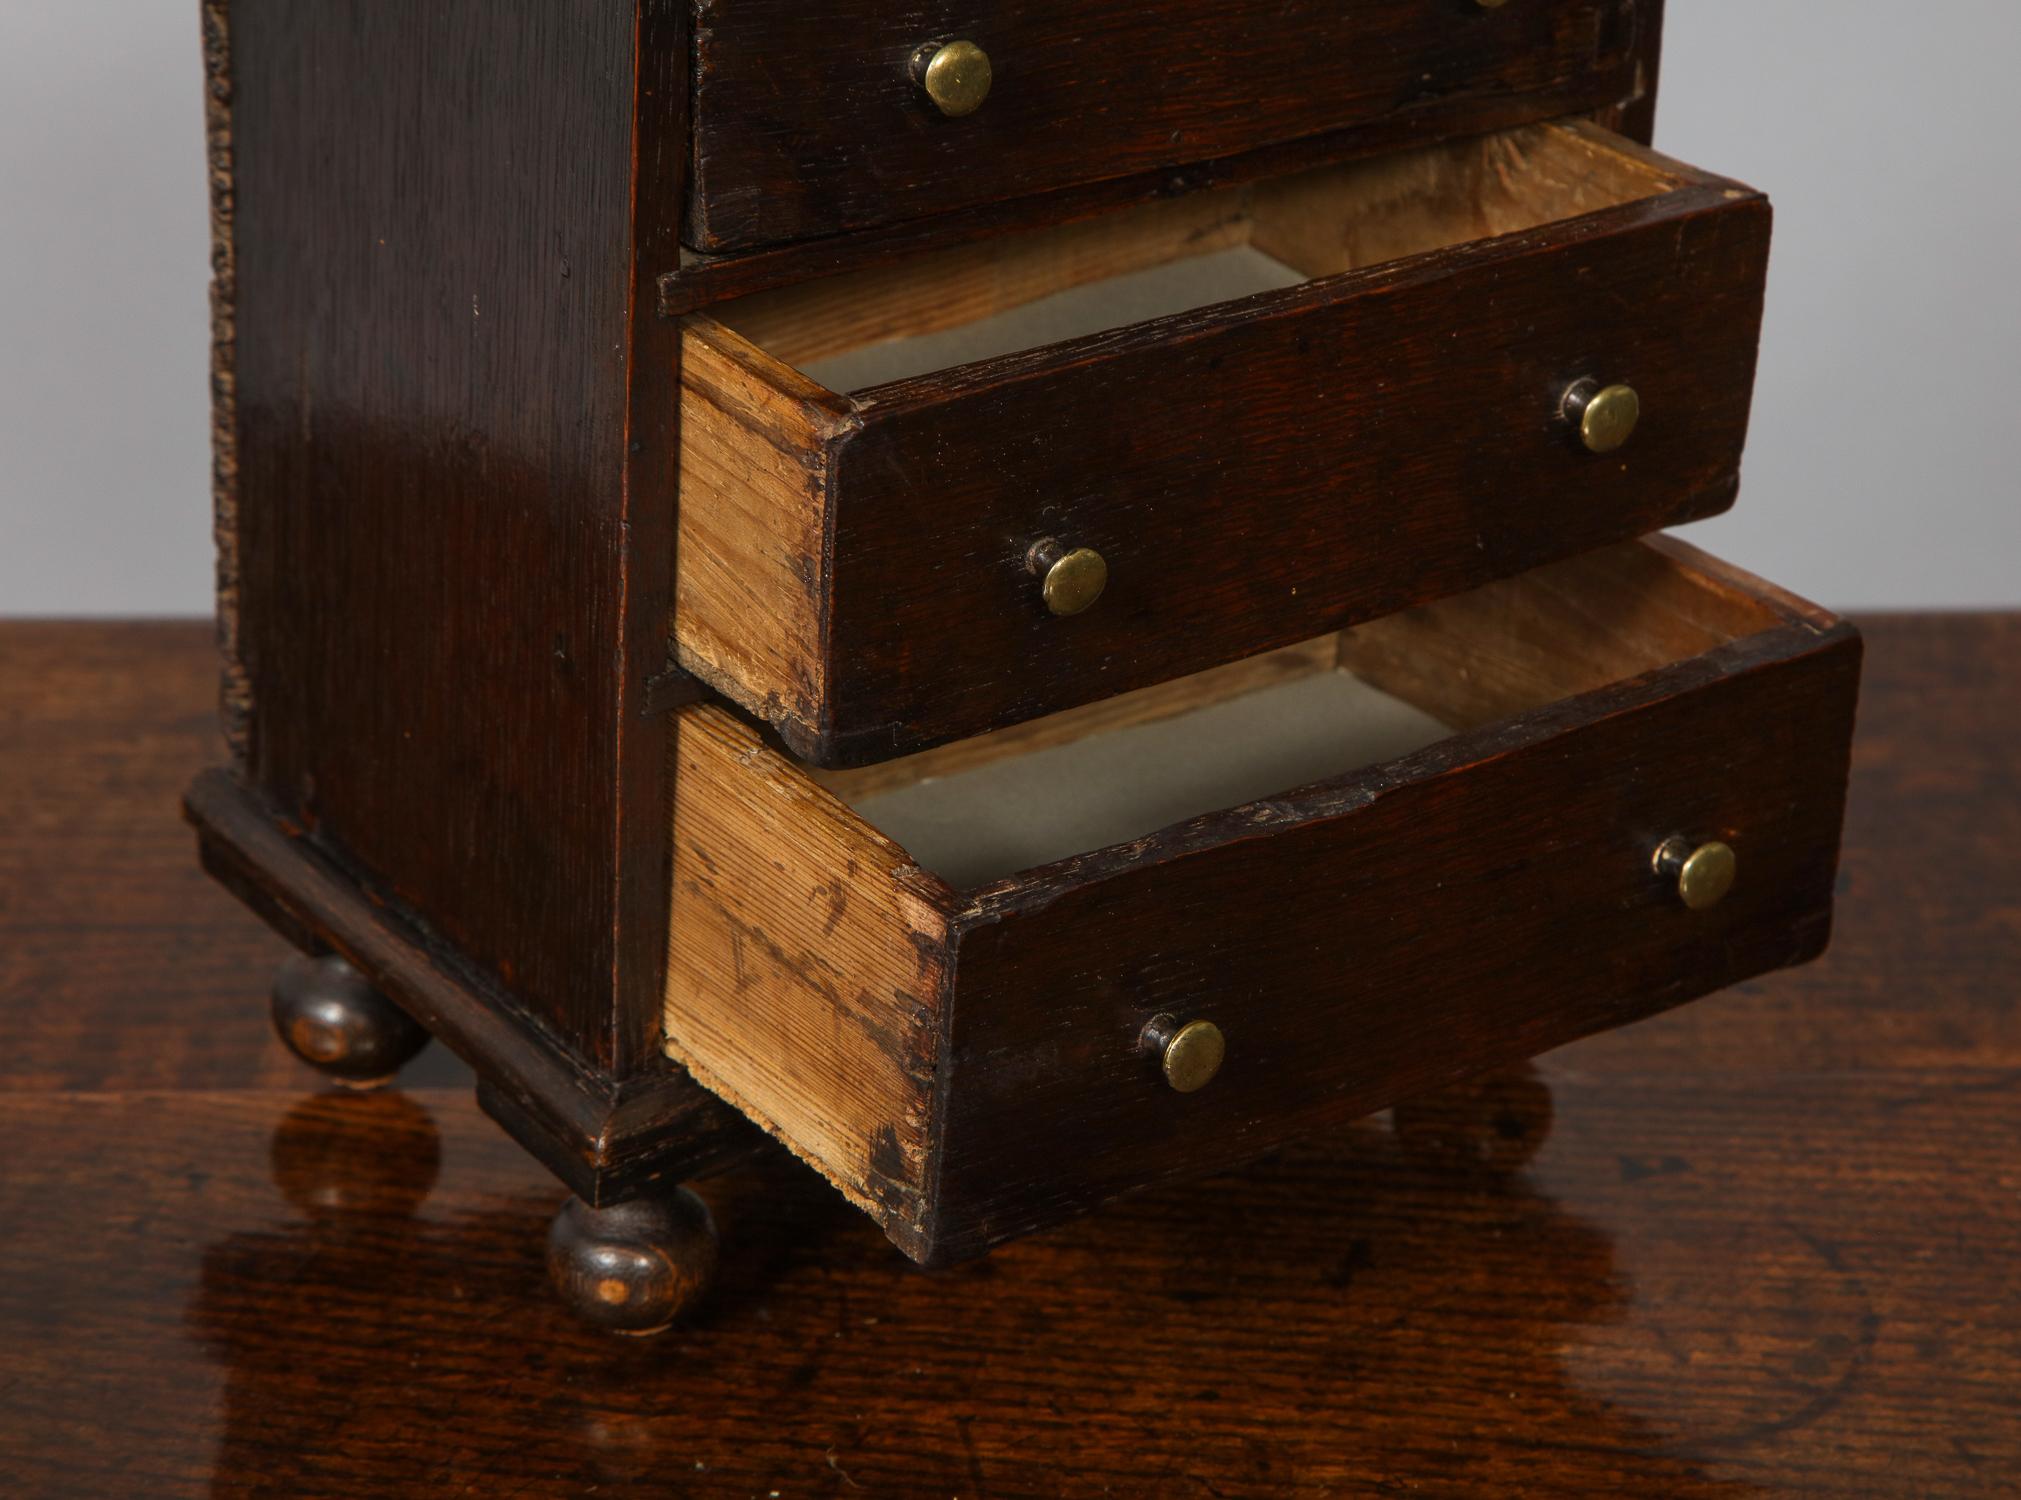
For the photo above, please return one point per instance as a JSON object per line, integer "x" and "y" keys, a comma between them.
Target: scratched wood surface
{"x": 1767, "y": 1243}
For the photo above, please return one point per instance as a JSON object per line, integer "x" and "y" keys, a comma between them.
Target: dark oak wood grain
{"x": 1768, "y": 1243}
{"x": 699, "y": 280}
{"x": 1482, "y": 901}
{"x": 1636, "y": 116}
{"x": 808, "y": 121}
{"x": 446, "y": 424}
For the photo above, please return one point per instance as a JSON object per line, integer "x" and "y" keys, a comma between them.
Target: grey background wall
{"x": 1882, "y": 470}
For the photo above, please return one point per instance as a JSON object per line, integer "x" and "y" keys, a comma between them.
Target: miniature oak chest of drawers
{"x": 1026, "y": 598}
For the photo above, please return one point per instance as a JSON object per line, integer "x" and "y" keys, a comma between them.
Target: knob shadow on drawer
{"x": 1341, "y": 874}
{"x": 1408, "y": 377}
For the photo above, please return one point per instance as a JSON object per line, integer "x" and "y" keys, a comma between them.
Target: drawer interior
{"x": 1021, "y": 292}
{"x": 1285, "y": 720}
{"x": 984, "y": 810}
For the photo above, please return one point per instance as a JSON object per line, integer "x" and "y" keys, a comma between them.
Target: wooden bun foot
{"x": 332, "y": 1019}
{"x": 636, "y": 1267}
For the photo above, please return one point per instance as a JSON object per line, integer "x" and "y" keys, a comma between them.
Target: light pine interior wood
{"x": 1123, "y": 768}
{"x": 1015, "y": 813}
{"x": 1342, "y": 218}
{"x": 1564, "y": 629}
{"x": 800, "y": 967}
{"x": 1134, "y": 296}
{"x": 1126, "y": 710}
{"x": 748, "y": 583}
{"x": 1316, "y": 223}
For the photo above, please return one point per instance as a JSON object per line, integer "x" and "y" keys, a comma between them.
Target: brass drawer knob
{"x": 956, "y": 77}
{"x": 1190, "y": 1055}
{"x": 1071, "y": 579}
{"x": 1703, "y": 872}
{"x": 1605, "y": 415}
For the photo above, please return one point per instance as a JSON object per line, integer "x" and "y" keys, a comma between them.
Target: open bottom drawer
{"x": 1460, "y": 869}
{"x": 1272, "y": 411}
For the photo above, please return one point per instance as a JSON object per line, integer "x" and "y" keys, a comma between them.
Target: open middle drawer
{"x": 934, "y": 978}
{"x": 1332, "y": 396}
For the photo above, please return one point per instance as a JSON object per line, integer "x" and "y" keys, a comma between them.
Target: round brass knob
{"x": 1190, "y": 1055}
{"x": 1605, "y": 415}
{"x": 956, "y": 77}
{"x": 1703, "y": 872}
{"x": 1072, "y": 580}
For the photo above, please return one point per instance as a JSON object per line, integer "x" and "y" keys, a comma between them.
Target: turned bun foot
{"x": 636, "y": 1267}
{"x": 332, "y": 1019}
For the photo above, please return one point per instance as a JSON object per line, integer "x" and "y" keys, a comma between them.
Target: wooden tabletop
{"x": 1768, "y": 1242}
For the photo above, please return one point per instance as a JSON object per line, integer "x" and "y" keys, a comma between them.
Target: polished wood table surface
{"x": 1771, "y": 1242}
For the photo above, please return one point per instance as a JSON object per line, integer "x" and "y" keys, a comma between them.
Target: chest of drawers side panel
{"x": 450, "y": 541}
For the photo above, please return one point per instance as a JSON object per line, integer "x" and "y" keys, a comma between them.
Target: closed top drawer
{"x": 1374, "y": 863}
{"x": 811, "y": 120}
{"x": 1345, "y": 392}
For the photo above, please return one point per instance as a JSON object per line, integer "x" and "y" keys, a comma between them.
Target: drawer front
{"x": 1259, "y": 477}
{"x": 814, "y": 120}
{"x": 1482, "y": 902}
{"x": 1252, "y": 474}
{"x": 969, "y": 1064}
